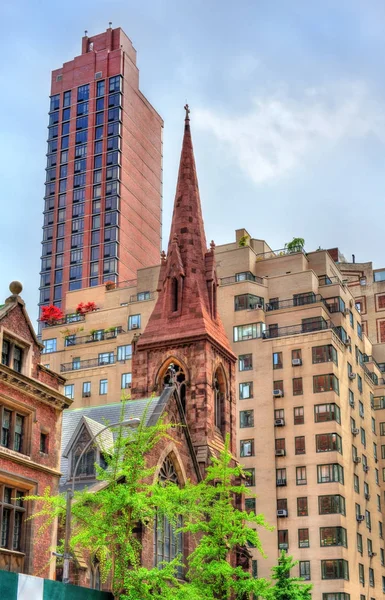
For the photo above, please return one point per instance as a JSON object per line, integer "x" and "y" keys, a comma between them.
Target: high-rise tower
{"x": 103, "y": 194}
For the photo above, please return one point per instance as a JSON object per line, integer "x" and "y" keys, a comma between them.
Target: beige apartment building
{"x": 308, "y": 384}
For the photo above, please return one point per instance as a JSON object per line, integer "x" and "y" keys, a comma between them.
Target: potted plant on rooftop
{"x": 83, "y": 308}
{"x": 110, "y": 285}
{"x": 51, "y": 315}
{"x": 296, "y": 245}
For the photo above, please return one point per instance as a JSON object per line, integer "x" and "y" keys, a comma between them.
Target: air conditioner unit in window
{"x": 280, "y": 452}
{"x": 86, "y": 394}
{"x": 351, "y": 402}
{"x": 281, "y": 482}
{"x": 255, "y": 306}
{"x": 367, "y": 496}
{"x": 281, "y": 513}
{"x": 279, "y": 422}
{"x": 346, "y": 311}
{"x": 352, "y": 376}
{"x": 366, "y": 469}
{"x": 347, "y": 341}
{"x": 278, "y": 393}
{"x": 355, "y": 431}
{"x": 296, "y": 362}
{"x": 283, "y": 546}
{"x": 127, "y": 385}
{"x": 98, "y": 75}
{"x": 372, "y": 554}
{"x": 134, "y": 326}
{"x": 356, "y": 459}
{"x": 360, "y": 518}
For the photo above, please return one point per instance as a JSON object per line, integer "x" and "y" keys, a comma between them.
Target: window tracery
{"x": 167, "y": 543}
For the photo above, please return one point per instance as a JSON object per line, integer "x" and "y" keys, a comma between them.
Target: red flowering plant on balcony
{"x": 51, "y": 314}
{"x": 83, "y": 308}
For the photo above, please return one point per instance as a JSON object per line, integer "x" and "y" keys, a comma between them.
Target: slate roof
{"x": 99, "y": 416}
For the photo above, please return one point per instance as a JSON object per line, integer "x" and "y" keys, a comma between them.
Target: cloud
{"x": 281, "y": 132}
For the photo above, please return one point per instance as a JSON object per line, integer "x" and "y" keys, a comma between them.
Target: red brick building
{"x": 31, "y": 406}
{"x": 102, "y": 213}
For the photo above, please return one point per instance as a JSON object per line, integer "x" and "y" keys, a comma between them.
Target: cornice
{"x": 186, "y": 341}
{"x": 37, "y": 390}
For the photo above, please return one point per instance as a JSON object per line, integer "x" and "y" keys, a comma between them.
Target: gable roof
{"x": 96, "y": 417}
{"x": 104, "y": 441}
{"x": 10, "y": 304}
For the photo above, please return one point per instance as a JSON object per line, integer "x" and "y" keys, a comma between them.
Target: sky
{"x": 287, "y": 107}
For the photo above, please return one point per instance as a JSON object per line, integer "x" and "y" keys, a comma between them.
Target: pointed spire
{"x": 190, "y": 264}
{"x": 187, "y": 220}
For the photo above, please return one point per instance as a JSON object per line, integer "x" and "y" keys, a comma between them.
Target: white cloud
{"x": 281, "y": 132}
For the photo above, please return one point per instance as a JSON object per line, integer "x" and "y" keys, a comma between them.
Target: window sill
{"x": 14, "y": 453}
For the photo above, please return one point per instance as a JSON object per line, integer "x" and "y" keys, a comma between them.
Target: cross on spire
{"x": 186, "y": 107}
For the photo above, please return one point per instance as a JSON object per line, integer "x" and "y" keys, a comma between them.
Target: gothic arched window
{"x": 174, "y": 294}
{"x": 167, "y": 543}
{"x": 86, "y": 467}
{"x": 219, "y": 400}
{"x": 95, "y": 574}
{"x": 176, "y": 376}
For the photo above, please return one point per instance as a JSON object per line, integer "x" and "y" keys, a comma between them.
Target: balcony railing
{"x": 237, "y": 279}
{"x": 70, "y": 318}
{"x": 126, "y": 284}
{"x": 326, "y": 280}
{"x": 318, "y": 325}
{"x": 370, "y": 374}
{"x": 73, "y": 340}
{"x": 142, "y": 297}
{"x": 290, "y": 302}
{"x": 370, "y": 359}
{"x": 75, "y": 365}
{"x": 278, "y": 253}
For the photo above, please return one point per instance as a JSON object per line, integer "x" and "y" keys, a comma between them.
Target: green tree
{"x": 286, "y": 587}
{"x": 210, "y": 514}
{"x": 106, "y": 523}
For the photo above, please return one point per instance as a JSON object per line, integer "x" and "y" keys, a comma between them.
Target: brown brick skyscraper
{"x": 102, "y": 213}
{"x": 185, "y": 328}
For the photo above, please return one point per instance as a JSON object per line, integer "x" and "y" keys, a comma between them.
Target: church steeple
{"x": 185, "y": 334}
{"x": 186, "y": 305}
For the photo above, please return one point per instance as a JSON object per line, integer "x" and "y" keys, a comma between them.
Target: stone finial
{"x": 163, "y": 256}
{"x": 15, "y": 288}
{"x": 212, "y": 245}
{"x": 175, "y": 238}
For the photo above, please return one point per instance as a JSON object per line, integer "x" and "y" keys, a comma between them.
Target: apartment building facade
{"x": 103, "y": 191}
{"x": 307, "y": 428}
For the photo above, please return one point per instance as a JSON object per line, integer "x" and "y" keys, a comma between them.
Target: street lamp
{"x": 70, "y": 493}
